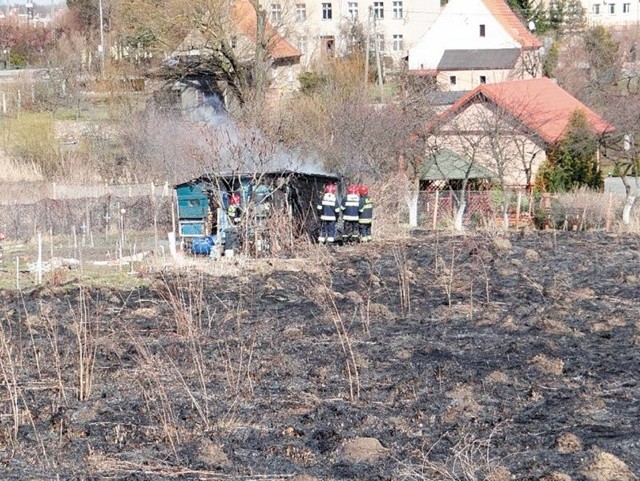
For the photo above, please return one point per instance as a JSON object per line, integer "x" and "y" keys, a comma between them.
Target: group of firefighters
{"x": 357, "y": 213}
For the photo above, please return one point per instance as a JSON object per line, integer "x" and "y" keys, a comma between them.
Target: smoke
{"x": 238, "y": 149}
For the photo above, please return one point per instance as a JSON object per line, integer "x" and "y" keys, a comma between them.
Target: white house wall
{"x": 307, "y": 34}
{"x": 471, "y": 133}
{"x": 609, "y": 13}
{"x": 470, "y": 79}
{"x": 458, "y": 27}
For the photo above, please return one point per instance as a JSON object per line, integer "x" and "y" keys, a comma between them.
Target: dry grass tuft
{"x": 607, "y": 467}
{"x": 548, "y": 365}
{"x": 568, "y": 443}
{"x": 363, "y": 449}
{"x": 556, "y": 476}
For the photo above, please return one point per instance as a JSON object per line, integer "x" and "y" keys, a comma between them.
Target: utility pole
{"x": 377, "y": 45}
{"x": 101, "y": 48}
{"x": 367, "y": 47}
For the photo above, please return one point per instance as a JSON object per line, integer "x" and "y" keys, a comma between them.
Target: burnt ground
{"x": 470, "y": 356}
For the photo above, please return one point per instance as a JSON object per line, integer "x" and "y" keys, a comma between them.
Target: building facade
{"x": 609, "y": 13}
{"x": 475, "y": 42}
{"x": 327, "y": 28}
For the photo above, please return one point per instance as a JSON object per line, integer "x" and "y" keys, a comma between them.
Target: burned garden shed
{"x": 274, "y": 205}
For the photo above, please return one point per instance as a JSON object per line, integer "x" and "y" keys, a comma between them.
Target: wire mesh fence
{"x": 579, "y": 210}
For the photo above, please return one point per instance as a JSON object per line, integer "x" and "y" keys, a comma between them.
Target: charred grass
{"x": 434, "y": 357}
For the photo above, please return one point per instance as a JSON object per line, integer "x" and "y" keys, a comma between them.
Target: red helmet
{"x": 352, "y": 189}
{"x": 363, "y": 190}
{"x": 330, "y": 188}
{"x": 235, "y": 199}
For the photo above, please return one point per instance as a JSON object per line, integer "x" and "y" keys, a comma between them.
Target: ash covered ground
{"x": 471, "y": 356}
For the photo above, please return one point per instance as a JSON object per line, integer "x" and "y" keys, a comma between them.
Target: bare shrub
{"x": 468, "y": 459}
{"x": 86, "y": 330}
{"x": 404, "y": 278}
{"x": 10, "y": 383}
{"x": 581, "y": 209}
{"x": 321, "y": 291}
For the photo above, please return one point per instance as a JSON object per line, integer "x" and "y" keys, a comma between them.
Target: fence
{"x": 30, "y": 192}
{"x": 92, "y": 217}
{"x": 580, "y": 210}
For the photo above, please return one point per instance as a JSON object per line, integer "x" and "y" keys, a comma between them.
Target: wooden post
{"x": 607, "y": 227}
{"x": 39, "y": 268}
{"x": 17, "y": 272}
{"x": 435, "y": 210}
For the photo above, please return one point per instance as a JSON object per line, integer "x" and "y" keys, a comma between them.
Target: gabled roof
{"x": 487, "y": 59}
{"x": 247, "y": 21}
{"x": 540, "y": 104}
{"x": 512, "y": 24}
{"x": 447, "y": 165}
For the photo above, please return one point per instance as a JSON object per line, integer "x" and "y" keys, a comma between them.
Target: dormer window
{"x": 483, "y": 30}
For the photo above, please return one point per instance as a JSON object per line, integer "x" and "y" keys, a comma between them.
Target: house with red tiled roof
{"x": 475, "y": 42}
{"x": 508, "y": 127}
{"x": 240, "y": 31}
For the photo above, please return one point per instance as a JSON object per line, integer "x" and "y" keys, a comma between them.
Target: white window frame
{"x": 380, "y": 40}
{"x": 626, "y": 8}
{"x": 483, "y": 30}
{"x": 398, "y": 42}
{"x": 378, "y": 10}
{"x": 302, "y": 45}
{"x": 595, "y": 9}
{"x": 276, "y": 13}
{"x": 398, "y": 9}
{"x": 611, "y": 8}
{"x": 453, "y": 80}
{"x": 301, "y": 12}
{"x": 352, "y": 10}
{"x": 327, "y": 11}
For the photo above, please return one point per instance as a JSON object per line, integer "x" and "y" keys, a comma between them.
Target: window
{"x": 398, "y": 42}
{"x": 327, "y": 14}
{"x": 301, "y": 12}
{"x": 626, "y": 8}
{"x": 595, "y": 9}
{"x": 452, "y": 80}
{"x": 352, "y": 10}
{"x": 483, "y": 79}
{"x": 380, "y": 39}
{"x": 302, "y": 45}
{"x": 328, "y": 44}
{"x": 276, "y": 13}
{"x": 378, "y": 9}
{"x": 611, "y": 8}
{"x": 398, "y": 9}
{"x": 483, "y": 30}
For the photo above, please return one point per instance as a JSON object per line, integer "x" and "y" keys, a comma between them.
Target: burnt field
{"x": 435, "y": 357}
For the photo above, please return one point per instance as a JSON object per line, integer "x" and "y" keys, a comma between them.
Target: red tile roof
{"x": 246, "y": 19}
{"x": 512, "y": 24}
{"x": 540, "y": 104}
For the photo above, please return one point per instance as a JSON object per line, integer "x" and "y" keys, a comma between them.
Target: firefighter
{"x": 234, "y": 211}
{"x": 366, "y": 213}
{"x": 350, "y": 213}
{"x": 329, "y": 209}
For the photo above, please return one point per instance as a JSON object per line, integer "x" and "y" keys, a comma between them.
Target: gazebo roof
{"x": 447, "y": 165}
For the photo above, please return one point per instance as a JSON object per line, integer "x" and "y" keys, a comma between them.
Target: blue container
{"x": 202, "y": 245}
{"x": 193, "y": 202}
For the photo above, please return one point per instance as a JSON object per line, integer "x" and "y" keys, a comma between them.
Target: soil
{"x": 477, "y": 356}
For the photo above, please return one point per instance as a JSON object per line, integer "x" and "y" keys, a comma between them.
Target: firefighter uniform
{"x": 350, "y": 213}
{"x": 329, "y": 209}
{"x": 366, "y": 214}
